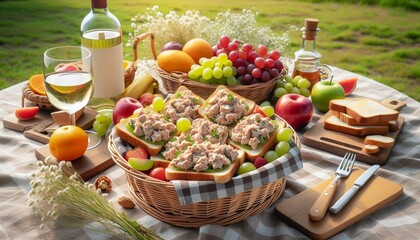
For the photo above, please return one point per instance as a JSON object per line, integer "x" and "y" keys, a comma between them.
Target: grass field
{"x": 381, "y": 43}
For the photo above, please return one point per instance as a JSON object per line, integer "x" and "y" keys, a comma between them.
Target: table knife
{"x": 336, "y": 208}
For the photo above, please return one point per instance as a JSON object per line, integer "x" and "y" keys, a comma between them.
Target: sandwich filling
{"x": 252, "y": 131}
{"x": 152, "y": 126}
{"x": 205, "y": 156}
{"x": 201, "y": 130}
{"x": 225, "y": 108}
{"x": 184, "y": 104}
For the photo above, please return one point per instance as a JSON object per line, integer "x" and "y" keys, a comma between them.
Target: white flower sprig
{"x": 181, "y": 28}
{"x": 61, "y": 197}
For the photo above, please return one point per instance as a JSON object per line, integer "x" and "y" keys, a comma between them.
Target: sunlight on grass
{"x": 377, "y": 42}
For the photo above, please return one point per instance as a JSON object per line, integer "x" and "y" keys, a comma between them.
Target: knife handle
{"x": 320, "y": 207}
{"x": 336, "y": 208}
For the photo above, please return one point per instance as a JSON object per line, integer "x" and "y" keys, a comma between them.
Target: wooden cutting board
{"x": 374, "y": 195}
{"x": 84, "y": 120}
{"x": 93, "y": 162}
{"x": 340, "y": 143}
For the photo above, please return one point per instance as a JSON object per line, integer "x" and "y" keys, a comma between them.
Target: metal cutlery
{"x": 320, "y": 207}
{"x": 336, "y": 208}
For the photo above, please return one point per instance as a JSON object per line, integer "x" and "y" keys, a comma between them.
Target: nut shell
{"x": 125, "y": 202}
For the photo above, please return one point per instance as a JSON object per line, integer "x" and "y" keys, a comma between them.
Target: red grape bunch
{"x": 252, "y": 65}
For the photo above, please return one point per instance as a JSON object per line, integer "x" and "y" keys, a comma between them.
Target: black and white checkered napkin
{"x": 200, "y": 191}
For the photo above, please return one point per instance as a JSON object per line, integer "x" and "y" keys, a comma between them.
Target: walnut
{"x": 103, "y": 183}
{"x": 126, "y": 202}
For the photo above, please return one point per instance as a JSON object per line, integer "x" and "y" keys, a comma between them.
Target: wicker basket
{"x": 29, "y": 98}
{"x": 258, "y": 92}
{"x": 159, "y": 198}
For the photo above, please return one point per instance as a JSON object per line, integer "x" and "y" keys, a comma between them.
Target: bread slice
{"x": 379, "y": 140}
{"x": 335, "y": 124}
{"x": 219, "y": 176}
{"x": 370, "y": 149}
{"x": 351, "y": 121}
{"x": 249, "y": 104}
{"x": 123, "y": 131}
{"x": 364, "y": 110}
{"x": 263, "y": 147}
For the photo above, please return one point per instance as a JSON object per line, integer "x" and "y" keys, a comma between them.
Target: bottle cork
{"x": 311, "y": 27}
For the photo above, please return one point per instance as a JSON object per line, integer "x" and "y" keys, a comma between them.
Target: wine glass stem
{"x": 72, "y": 119}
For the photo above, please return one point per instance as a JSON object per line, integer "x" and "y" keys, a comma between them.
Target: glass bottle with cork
{"x": 307, "y": 59}
{"x": 101, "y": 33}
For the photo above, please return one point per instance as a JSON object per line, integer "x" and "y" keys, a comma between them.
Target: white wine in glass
{"x": 69, "y": 82}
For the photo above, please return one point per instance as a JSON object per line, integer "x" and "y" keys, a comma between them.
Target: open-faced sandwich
{"x": 183, "y": 103}
{"x": 225, "y": 107}
{"x": 255, "y": 134}
{"x": 148, "y": 129}
{"x": 206, "y": 161}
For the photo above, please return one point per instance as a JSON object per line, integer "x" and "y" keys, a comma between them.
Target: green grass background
{"x": 375, "y": 39}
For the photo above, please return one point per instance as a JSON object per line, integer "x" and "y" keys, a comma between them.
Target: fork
{"x": 320, "y": 206}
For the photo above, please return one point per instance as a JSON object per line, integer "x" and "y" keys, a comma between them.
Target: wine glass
{"x": 69, "y": 82}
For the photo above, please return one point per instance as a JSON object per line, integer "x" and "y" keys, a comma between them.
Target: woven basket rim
{"x": 176, "y": 76}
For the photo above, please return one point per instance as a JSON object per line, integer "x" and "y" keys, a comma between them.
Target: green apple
{"x": 325, "y": 91}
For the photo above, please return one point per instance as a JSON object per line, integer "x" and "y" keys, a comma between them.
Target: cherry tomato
{"x": 158, "y": 173}
{"x": 137, "y": 152}
{"x": 26, "y": 113}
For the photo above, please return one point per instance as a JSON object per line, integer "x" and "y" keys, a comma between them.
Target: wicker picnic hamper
{"x": 257, "y": 92}
{"x": 159, "y": 198}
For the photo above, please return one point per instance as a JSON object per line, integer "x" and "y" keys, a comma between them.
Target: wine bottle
{"x": 101, "y": 33}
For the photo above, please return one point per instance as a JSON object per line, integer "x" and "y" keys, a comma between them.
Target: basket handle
{"x": 141, "y": 38}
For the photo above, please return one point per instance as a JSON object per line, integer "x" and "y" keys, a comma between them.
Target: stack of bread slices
{"x": 365, "y": 118}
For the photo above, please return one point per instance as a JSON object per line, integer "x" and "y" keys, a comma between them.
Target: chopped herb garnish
{"x": 177, "y": 153}
{"x": 179, "y": 95}
{"x": 215, "y": 134}
{"x": 197, "y": 101}
{"x": 230, "y": 97}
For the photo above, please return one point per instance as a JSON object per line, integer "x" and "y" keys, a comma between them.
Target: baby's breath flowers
{"x": 60, "y": 197}
{"x": 181, "y": 28}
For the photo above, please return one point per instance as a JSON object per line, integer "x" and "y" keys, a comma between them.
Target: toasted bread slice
{"x": 219, "y": 176}
{"x": 249, "y": 104}
{"x": 335, "y": 124}
{"x": 159, "y": 161}
{"x": 181, "y": 94}
{"x": 370, "y": 149}
{"x": 252, "y": 154}
{"x": 126, "y": 134}
{"x": 364, "y": 110}
{"x": 351, "y": 121}
{"x": 379, "y": 140}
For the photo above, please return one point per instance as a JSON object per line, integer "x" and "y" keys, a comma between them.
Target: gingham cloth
{"x": 398, "y": 220}
{"x": 200, "y": 191}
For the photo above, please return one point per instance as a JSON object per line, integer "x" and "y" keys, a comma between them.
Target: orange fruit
{"x": 36, "y": 84}
{"x": 68, "y": 143}
{"x": 175, "y": 60}
{"x": 198, "y": 48}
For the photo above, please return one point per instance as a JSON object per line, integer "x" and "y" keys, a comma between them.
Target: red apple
{"x": 125, "y": 108}
{"x": 295, "y": 109}
{"x": 172, "y": 46}
{"x": 146, "y": 98}
{"x": 158, "y": 173}
{"x": 325, "y": 91}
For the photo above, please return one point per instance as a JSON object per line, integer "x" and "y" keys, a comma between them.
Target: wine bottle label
{"x": 107, "y": 62}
